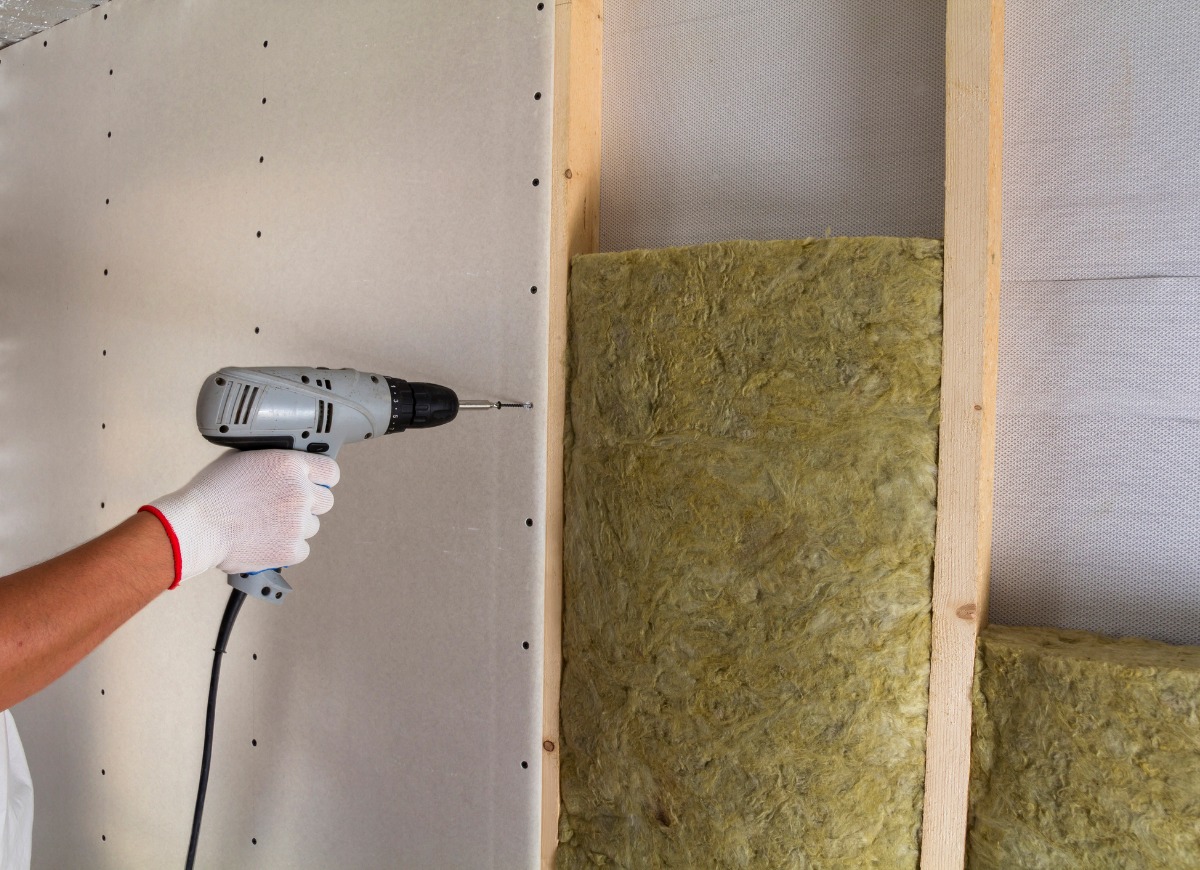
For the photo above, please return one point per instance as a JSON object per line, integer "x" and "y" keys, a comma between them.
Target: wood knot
{"x": 569, "y": 174}
{"x": 979, "y": 407}
{"x": 548, "y": 745}
{"x": 967, "y": 611}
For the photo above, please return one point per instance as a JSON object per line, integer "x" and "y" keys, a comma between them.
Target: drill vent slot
{"x": 241, "y": 403}
{"x": 324, "y": 416}
{"x": 235, "y": 403}
{"x": 250, "y": 406}
{"x": 231, "y": 400}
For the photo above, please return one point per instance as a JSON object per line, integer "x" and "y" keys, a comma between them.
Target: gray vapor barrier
{"x": 731, "y": 119}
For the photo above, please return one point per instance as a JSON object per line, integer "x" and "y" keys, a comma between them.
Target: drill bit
{"x": 484, "y": 404}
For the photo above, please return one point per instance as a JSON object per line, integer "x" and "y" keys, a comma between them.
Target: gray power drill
{"x": 316, "y": 410}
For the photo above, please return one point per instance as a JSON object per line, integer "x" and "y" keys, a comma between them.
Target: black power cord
{"x": 236, "y": 597}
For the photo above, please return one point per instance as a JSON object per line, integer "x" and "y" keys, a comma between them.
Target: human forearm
{"x": 244, "y": 512}
{"x": 55, "y": 613}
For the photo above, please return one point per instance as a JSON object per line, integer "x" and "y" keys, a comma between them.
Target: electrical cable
{"x": 236, "y": 597}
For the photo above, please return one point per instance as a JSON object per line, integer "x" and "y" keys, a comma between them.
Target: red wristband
{"x": 151, "y": 509}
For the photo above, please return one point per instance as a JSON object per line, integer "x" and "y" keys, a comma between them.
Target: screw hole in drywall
{"x": 254, "y": 656}
{"x": 101, "y": 691}
{"x": 254, "y": 841}
{"x": 110, "y": 134}
{"x": 253, "y": 742}
{"x": 541, "y": 6}
{"x": 258, "y": 235}
{"x": 525, "y": 645}
{"x": 264, "y": 43}
{"x": 45, "y": 43}
{"x": 102, "y": 426}
{"x": 256, "y": 330}
{"x": 106, "y": 200}
{"x": 105, "y": 16}
{"x": 524, "y": 765}
{"x": 533, "y": 289}
{"x": 103, "y": 772}
{"x": 105, "y": 271}
{"x": 529, "y": 522}
{"x": 110, "y": 72}
{"x": 537, "y": 95}
{"x": 260, "y": 159}
{"x": 102, "y": 505}
{"x": 264, "y": 101}
{"x": 104, "y": 353}
{"x": 103, "y": 838}
{"x": 536, "y": 182}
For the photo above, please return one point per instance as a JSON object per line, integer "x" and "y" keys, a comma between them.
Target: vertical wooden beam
{"x": 574, "y": 229}
{"x": 974, "y": 91}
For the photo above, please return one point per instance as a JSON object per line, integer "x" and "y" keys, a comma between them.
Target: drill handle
{"x": 266, "y": 585}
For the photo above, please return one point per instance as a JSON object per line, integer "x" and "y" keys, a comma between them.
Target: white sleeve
{"x": 16, "y": 799}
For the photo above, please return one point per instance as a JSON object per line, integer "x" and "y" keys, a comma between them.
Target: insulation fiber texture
{"x": 750, "y": 485}
{"x": 1086, "y": 752}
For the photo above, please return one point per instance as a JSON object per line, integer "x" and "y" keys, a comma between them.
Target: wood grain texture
{"x": 574, "y": 229}
{"x": 974, "y": 90}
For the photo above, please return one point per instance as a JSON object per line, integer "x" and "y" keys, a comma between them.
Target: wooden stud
{"x": 974, "y": 92}
{"x": 574, "y": 229}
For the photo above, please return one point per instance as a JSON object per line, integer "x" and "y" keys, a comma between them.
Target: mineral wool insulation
{"x": 1086, "y": 752}
{"x": 749, "y": 534}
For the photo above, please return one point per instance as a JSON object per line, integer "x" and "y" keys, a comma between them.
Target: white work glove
{"x": 247, "y": 511}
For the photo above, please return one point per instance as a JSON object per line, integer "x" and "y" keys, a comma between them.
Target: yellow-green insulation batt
{"x": 750, "y": 483}
{"x": 1086, "y": 752}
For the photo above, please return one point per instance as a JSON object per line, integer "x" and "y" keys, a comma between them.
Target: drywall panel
{"x": 190, "y": 185}
{"x": 729, "y": 119}
{"x": 1098, "y": 429}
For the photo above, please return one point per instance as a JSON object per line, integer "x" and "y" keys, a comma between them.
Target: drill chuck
{"x": 420, "y": 406}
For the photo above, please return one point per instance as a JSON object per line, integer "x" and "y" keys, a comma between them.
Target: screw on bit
{"x": 484, "y": 404}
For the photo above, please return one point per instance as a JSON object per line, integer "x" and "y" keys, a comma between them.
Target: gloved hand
{"x": 247, "y": 511}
